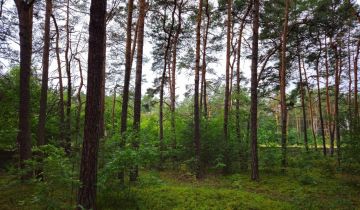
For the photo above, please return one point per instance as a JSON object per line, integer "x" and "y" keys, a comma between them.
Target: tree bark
{"x": 25, "y": 14}
{"x": 310, "y": 107}
{"x": 338, "y": 70}
{"x": 319, "y": 100}
{"x": 125, "y": 94}
{"x": 138, "y": 79}
{"x": 356, "y": 92}
{"x": 328, "y": 107}
{"x": 102, "y": 102}
{"x": 237, "y": 103}
{"x": 203, "y": 99}
{"x": 254, "y": 93}
{"x": 227, "y": 87}
{"x": 96, "y": 62}
{"x": 113, "y": 111}
{"x": 163, "y": 77}
{"x": 283, "y": 86}
{"x": 197, "y": 135}
{"x": 67, "y": 145}
{"x": 45, "y": 75}
{"x": 78, "y": 96}
{"x": 302, "y": 101}
{"x": 61, "y": 88}
{"x": 350, "y": 104}
{"x": 173, "y": 77}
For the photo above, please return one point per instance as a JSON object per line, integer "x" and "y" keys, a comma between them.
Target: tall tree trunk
{"x": 173, "y": 77}
{"x": 96, "y": 62}
{"x": 313, "y": 130}
{"x": 338, "y": 70}
{"x": 102, "y": 101}
{"x": 25, "y": 13}
{"x": 61, "y": 87}
{"x": 113, "y": 111}
{"x": 283, "y": 86}
{"x": 237, "y": 103}
{"x": 197, "y": 136}
{"x": 349, "y": 75}
{"x": 298, "y": 128}
{"x": 356, "y": 102}
{"x": 227, "y": 87}
{"x": 69, "y": 85}
{"x": 302, "y": 100}
{"x": 319, "y": 99}
{"x": 233, "y": 54}
{"x": 163, "y": 78}
{"x": 254, "y": 97}
{"x": 45, "y": 75}
{"x": 328, "y": 107}
{"x": 125, "y": 95}
{"x": 138, "y": 79}
{"x": 78, "y": 96}
{"x": 203, "y": 67}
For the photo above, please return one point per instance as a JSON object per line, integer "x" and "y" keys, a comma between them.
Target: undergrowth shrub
{"x": 55, "y": 182}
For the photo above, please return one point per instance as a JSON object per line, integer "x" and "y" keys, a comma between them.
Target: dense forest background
{"x": 179, "y": 104}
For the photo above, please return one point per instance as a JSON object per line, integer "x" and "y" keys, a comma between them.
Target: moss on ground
{"x": 174, "y": 190}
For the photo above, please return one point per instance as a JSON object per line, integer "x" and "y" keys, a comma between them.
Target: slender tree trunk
{"x": 237, "y": 103}
{"x": 125, "y": 95}
{"x": 350, "y": 104}
{"x": 356, "y": 102}
{"x": 197, "y": 136}
{"x": 173, "y": 78}
{"x": 310, "y": 107}
{"x": 25, "y": 13}
{"x": 302, "y": 101}
{"x": 113, "y": 111}
{"x": 298, "y": 128}
{"x": 161, "y": 105}
{"x": 338, "y": 70}
{"x": 78, "y": 96}
{"x": 69, "y": 85}
{"x": 78, "y": 119}
{"x": 61, "y": 88}
{"x": 96, "y": 62}
{"x": 45, "y": 75}
{"x": 102, "y": 101}
{"x": 227, "y": 87}
{"x": 203, "y": 67}
{"x": 254, "y": 97}
{"x": 319, "y": 100}
{"x": 232, "y": 66}
{"x": 138, "y": 79}
{"x": 134, "y": 43}
{"x": 283, "y": 86}
{"x": 328, "y": 107}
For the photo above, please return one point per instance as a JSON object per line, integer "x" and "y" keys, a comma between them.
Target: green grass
{"x": 174, "y": 191}
{"x": 307, "y": 186}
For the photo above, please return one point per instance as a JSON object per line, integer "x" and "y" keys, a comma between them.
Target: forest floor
{"x": 303, "y": 187}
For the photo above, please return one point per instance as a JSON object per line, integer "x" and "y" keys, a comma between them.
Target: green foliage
{"x": 53, "y": 178}
{"x": 117, "y": 158}
{"x": 269, "y": 157}
{"x": 9, "y": 102}
{"x": 351, "y": 147}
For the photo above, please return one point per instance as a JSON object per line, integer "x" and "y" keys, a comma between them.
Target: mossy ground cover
{"x": 174, "y": 190}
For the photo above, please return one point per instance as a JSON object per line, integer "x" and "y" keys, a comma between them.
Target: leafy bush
{"x": 117, "y": 159}
{"x": 269, "y": 157}
{"x": 54, "y": 180}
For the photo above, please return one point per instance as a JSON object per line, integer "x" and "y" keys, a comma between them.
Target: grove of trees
{"x": 98, "y": 96}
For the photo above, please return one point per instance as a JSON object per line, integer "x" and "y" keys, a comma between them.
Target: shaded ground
{"x": 175, "y": 190}
{"x": 311, "y": 182}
